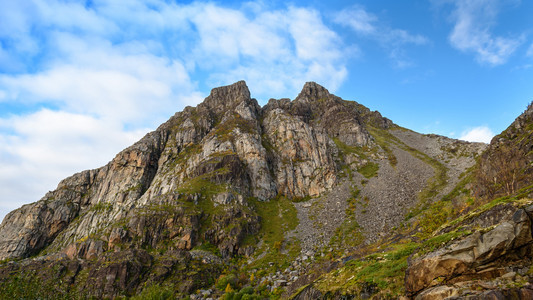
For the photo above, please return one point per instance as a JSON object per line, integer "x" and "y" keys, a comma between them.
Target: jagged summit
{"x": 236, "y": 89}
{"x": 313, "y": 91}
{"x": 228, "y": 96}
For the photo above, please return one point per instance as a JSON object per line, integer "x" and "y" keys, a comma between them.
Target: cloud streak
{"x": 473, "y": 22}
{"x": 393, "y": 40}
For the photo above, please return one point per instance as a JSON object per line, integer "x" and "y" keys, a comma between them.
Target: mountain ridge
{"x": 230, "y": 187}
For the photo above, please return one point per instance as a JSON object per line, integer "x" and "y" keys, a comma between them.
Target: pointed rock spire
{"x": 228, "y": 96}
{"x": 313, "y": 91}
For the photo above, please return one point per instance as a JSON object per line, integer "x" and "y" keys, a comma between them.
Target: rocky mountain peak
{"x": 229, "y": 96}
{"x": 313, "y": 91}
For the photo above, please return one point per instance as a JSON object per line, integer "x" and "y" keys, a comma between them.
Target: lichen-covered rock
{"x": 304, "y": 162}
{"x": 472, "y": 257}
{"x": 34, "y": 226}
{"x": 438, "y": 293}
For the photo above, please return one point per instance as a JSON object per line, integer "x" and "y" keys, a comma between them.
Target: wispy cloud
{"x": 482, "y": 134}
{"x": 358, "y": 19}
{"x": 473, "y": 22}
{"x": 368, "y": 25}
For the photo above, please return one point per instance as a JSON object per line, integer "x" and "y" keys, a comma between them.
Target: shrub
{"x": 224, "y": 280}
{"x": 154, "y": 292}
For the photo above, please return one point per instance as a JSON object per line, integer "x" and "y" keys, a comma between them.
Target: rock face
{"x": 482, "y": 255}
{"x": 189, "y": 182}
{"x": 506, "y": 167}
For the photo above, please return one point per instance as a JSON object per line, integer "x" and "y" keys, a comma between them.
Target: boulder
{"x": 465, "y": 259}
{"x": 438, "y": 293}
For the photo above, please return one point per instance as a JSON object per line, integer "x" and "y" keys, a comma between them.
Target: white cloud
{"x": 206, "y": 37}
{"x": 472, "y": 32}
{"x": 39, "y": 149}
{"x": 358, "y": 19}
{"x": 106, "y": 82}
{"x": 392, "y": 39}
{"x": 274, "y": 51}
{"x": 481, "y": 134}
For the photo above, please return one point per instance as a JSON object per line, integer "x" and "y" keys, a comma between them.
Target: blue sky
{"x": 81, "y": 80}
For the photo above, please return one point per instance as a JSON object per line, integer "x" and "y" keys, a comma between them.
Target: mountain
{"x": 317, "y": 197}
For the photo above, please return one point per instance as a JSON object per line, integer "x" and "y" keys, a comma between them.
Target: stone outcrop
{"x": 506, "y": 167}
{"x": 482, "y": 255}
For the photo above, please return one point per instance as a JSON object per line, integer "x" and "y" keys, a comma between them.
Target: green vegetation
{"x": 301, "y": 199}
{"x": 136, "y": 187}
{"x": 384, "y": 270}
{"x": 438, "y": 241}
{"x": 383, "y": 138}
{"x": 201, "y": 185}
{"x": 207, "y": 246}
{"x": 224, "y": 131}
{"x": 440, "y": 212}
{"x": 101, "y": 207}
{"x": 277, "y": 217}
{"x": 345, "y": 149}
{"x": 26, "y": 285}
{"x": 265, "y": 142}
{"x": 246, "y": 293}
{"x": 225, "y": 280}
{"x": 348, "y": 234}
{"x": 455, "y": 204}
{"x": 238, "y": 285}
{"x": 369, "y": 170}
{"x": 182, "y": 157}
{"x": 154, "y": 292}
{"x": 518, "y": 199}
